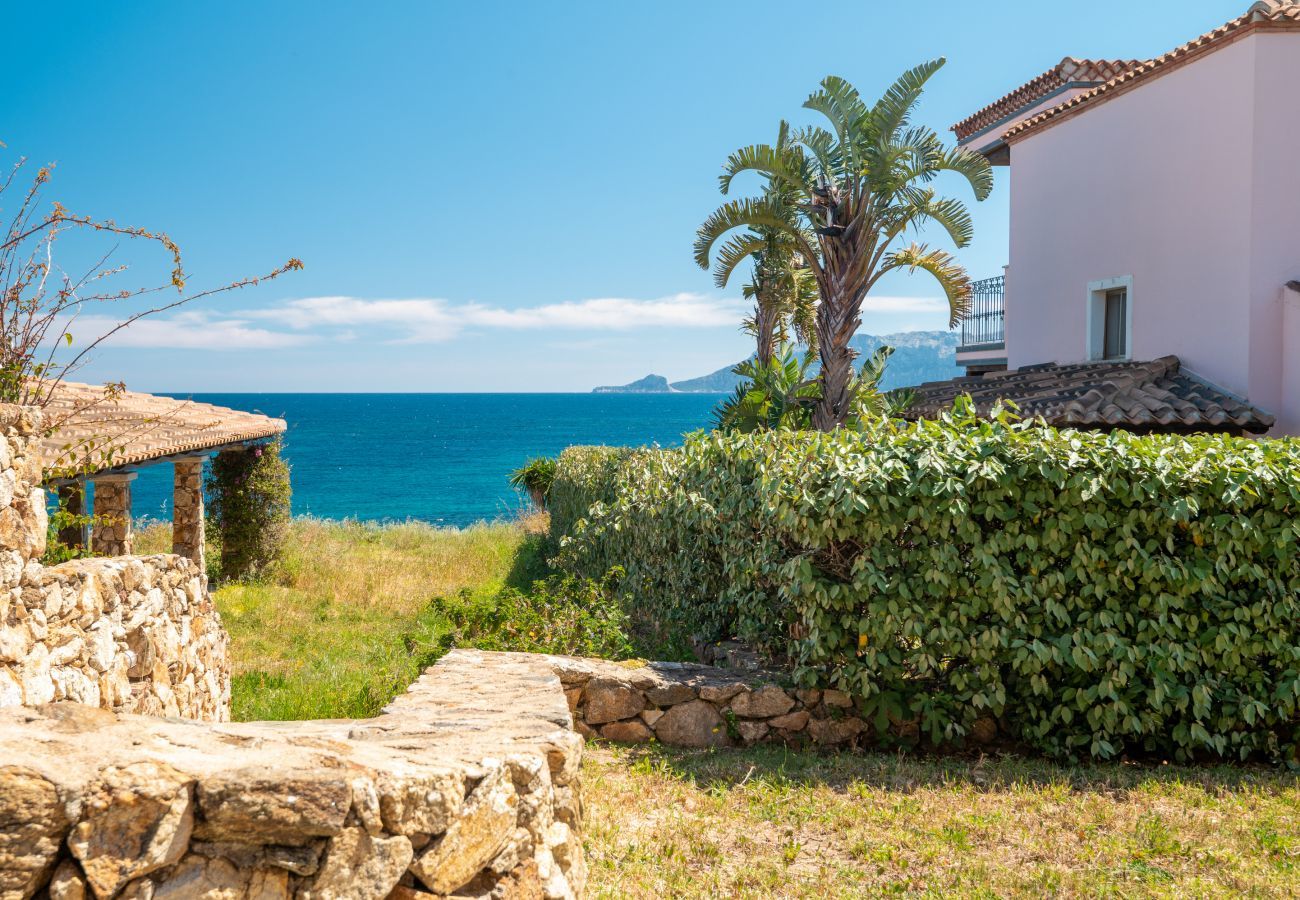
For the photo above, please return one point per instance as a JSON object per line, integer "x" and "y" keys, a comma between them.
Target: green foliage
{"x": 64, "y": 518}
{"x": 583, "y": 476}
{"x": 565, "y": 615}
{"x": 1098, "y": 594}
{"x": 781, "y": 395}
{"x": 536, "y": 477}
{"x": 776, "y": 395}
{"x": 249, "y": 505}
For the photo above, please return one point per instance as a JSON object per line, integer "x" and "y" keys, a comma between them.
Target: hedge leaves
{"x": 1098, "y": 594}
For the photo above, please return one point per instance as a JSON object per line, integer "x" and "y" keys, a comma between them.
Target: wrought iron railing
{"x": 983, "y": 321}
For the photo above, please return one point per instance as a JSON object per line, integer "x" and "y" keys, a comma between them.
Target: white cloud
{"x": 905, "y": 305}
{"x": 184, "y": 331}
{"x": 426, "y": 319}
{"x": 430, "y": 320}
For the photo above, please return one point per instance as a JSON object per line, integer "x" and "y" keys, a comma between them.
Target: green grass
{"x": 768, "y": 822}
{"x": 356, "y": 611}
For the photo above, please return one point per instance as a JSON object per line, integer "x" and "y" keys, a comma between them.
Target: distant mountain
{"x": 919, "y": 356}
{"x": 651, "y": 384}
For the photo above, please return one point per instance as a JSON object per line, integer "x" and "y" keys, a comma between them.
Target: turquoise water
{"x": 441, "y": 458}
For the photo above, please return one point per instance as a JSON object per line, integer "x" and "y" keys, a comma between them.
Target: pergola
{"x": 105, "y": 438}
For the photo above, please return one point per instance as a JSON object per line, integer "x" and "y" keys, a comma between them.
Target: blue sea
{"x": 440, "y": 458}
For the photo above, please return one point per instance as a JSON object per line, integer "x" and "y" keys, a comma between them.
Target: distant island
{"x": 651, "y": 384}
{"x": 919, "y": 356}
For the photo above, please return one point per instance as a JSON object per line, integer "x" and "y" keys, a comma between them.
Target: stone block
{"x": 835, "y": 731}
{"x": 608, "y": 700}
{"x": 473, "y": 839}
{"x": 359, "y": 865}
{"x": 794, "y": 721}
{"x": 136, "y": 820}
{"x": 670, "y": 693}
{"x": 631, "y": 731}
{"x": 837, "y": 698}
{"x": 247, "y": 805}
{"x": 33, "y": 823}
{"x": 763, "y": 703}
{"x": 721, "y": 693}
{"x": 693, "y": 724}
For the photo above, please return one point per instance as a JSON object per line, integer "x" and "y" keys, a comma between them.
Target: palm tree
{"x": 781, "y": 284}
{"x": 858, "y": 188}
{"x": 785, "y": 298}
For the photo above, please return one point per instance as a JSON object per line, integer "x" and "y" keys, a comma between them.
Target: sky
{"x": 485, "y": 196}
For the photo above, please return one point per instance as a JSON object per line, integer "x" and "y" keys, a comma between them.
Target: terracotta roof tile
{"x": 1265, "y": 14}
{"x": 1067, "y": 72}
{"x": 132, "y": 428}
{"x": 1155, "y": 395}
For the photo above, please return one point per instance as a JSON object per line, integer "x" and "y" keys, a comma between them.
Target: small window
{"x": 1115, "y": 344}
{"x": 1109, "y": 319}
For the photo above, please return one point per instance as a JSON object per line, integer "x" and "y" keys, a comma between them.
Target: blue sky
{"x": 487, "y": 196}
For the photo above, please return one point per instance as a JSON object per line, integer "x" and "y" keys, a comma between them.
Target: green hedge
{"x": 583, "y": 476}
{"x": 1097, "y": 594}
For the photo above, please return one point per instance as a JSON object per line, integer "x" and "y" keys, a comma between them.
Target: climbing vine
{"x": 248, "y": 507}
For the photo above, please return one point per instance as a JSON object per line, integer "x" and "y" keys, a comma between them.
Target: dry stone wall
{"x": 688, "y": 705}
{"x": 135, "y": 634}
{"x": 467, "y": 786}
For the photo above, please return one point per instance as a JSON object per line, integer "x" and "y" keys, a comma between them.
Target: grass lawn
{"x": 768, "y": 822}
{"x": 358, "y": 610}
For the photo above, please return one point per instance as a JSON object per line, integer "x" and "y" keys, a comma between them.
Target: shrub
{"x": 562, "y": 615}
{"x": 1097, "y": 594}
{"x": 583, "y": 476}
{"x": 536, "y": 477}
{"x": 249, "y": 503}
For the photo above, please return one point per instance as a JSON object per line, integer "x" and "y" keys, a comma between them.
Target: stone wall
{"x": 466, "y": 786}
{"x": 690, "y": 705}
{"x": 131, "y": 634}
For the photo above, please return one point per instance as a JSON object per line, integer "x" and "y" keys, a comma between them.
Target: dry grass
{"x": 775, "y": 823}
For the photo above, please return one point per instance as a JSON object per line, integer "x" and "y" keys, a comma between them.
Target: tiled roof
{"x": 1141, "y": 396}
{"x": 103, "y": 429}
{"x": 1270, "y": 14}
{"x": 1067, "y": 72}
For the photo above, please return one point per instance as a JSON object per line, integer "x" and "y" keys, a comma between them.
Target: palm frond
{"x": 752, "y": 212}
{"x": 785, "y": 165}
{"x": 823, "y": 147}
{"x": 950, "y": 274}
{"x": 737, "y": 249}
{"x": 972, "y": 166}
{"x": 840, "y": 102}
{"x": 922, "y": 206}
{"x": 895, "y": 107}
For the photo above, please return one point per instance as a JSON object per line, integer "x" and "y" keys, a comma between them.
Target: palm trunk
{"x": 765, "y": 319}
{"x": 837, "y": 322}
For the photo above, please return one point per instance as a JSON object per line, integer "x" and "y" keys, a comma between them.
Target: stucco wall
{"x": 1156, "y": 184}
{"x": 1275, "y": 225}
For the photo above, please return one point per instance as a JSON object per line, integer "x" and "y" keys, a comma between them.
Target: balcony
{"x": 983, "y": 347}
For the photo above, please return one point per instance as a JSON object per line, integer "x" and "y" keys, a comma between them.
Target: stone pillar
{"x": 72, "y": 499}
{"x": 187, "y": 509}
{"x": 111, "y": 533}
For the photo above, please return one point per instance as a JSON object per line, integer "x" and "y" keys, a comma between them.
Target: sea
{"x": 438, "y": 458}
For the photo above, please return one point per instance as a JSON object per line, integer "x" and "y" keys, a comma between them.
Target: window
{"x": 1116, "y": 326}
{"x": 1110, "y": 318}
